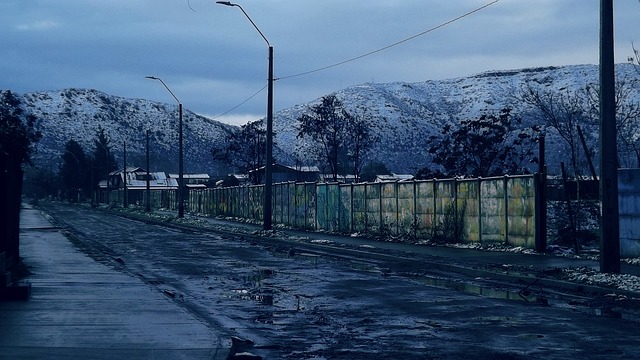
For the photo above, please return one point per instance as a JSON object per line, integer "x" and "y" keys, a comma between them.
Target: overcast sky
{"x": 213, "y": 59}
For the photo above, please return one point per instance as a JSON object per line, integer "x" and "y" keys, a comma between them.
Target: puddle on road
{"x": 484, "y": 291}
{"x": 261, "y": 296}
{"x": 256, "y": 278}
{"x": 256, "y": 291}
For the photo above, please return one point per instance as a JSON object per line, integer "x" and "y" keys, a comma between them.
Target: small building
{"x": 192, "y": 181}
{"x": 342, "y": 179}
{"x": 283, "y": 173}
{"x": 136, "y": 179}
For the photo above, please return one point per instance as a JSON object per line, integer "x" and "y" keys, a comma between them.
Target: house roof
{"x": 393, "y": 177}
{"x": 290, "y": 168}
{"x": 190, "y": 176}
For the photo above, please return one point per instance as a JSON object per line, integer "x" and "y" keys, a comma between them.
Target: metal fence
{"x": 490, "y": 210}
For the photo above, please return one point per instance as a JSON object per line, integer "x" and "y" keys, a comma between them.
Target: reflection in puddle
{"x": 256, "y": 278}
{"x": 259, "y": 295}
{"x": 256, "y": 292}
{"x": 483, "y": 291}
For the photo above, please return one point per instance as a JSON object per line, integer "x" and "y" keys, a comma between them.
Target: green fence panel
{"x": 291, "y": 201}
{"x": 322, "y": 222}
{"x": 312, "y": 220}
{"x": 406, "y": 208}
{"x": 359, "y": 202}
{"x": 333, "y": 207}
{"x": 467, "y": 195}
{"x": 278, "y": 209}
{"x": 492, "y": 218}
{"x": 372, "y": 217}
{"x": 388, "y": 208}
{"x": 256, "y": 203}
{"x": 521, "y": 211}
{"x": 345, "y": 209}
{"x": 425, "y": 208}
{"x": 444, "y": 208}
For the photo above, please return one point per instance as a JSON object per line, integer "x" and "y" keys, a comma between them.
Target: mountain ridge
{"x": 403, "y": 114}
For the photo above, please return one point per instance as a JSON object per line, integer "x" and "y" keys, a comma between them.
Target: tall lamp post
{"x": 180, "y": 160}
{"x": 268, "y": 169}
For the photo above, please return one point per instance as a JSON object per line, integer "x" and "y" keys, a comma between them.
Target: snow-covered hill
{"x": 404, "y": 115}
{"x": 78, "y": 114}
{"x": 407, "y": 114}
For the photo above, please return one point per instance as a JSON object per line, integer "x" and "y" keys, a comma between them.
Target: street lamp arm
{"x": 268, "y": 167}
{"x": 229, "y": 3}
{"x": 180, "y": 155}
{"x": 165, "y": 86}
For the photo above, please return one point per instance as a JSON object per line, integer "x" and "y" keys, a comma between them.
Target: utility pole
{"x": 124, "y": 175}
{"x": 609, "y": 220}
{"x": 148, "y": 202}
{"x": 268, "y": 167}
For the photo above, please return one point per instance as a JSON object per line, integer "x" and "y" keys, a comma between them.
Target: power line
{"x": 391, "y": 45}
{"x": 366, "y": 54}
{"x": 242, "y": 103}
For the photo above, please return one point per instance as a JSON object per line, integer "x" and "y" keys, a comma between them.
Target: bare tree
{"x": 635, "y": 58}
{"x": 562, "y": 111}
{"x": 327, "y": 125}
{"x": 361, "y": 140}
{"x": 627, "y": 119}
{"x": 244, "y": 149}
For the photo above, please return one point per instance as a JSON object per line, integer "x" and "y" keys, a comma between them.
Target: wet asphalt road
{"x": 298, "y": 306}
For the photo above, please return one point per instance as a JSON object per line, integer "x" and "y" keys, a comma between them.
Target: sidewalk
{"x": 81, "y": 309}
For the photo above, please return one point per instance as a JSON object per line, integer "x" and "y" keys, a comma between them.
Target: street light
{"x": 180, "y": 162}
{"x": 268, "y": 170}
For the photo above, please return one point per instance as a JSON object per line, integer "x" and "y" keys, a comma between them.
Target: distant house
{"x": 193, "y": 181}
{"x": 283, "y": 173}
{"x": 233, "y": 180}
{"x": 343, "y": 179}
{"x": 136, "y": 182}
{"x": 393, "y": 177}
{"x": 136, "y": 179}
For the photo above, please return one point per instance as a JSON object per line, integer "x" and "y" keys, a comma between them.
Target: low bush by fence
{"x": 491, "y": 210}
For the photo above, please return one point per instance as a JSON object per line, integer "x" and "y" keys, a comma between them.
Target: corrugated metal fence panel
{"x": 236, "y": 210}
{"x": 256, "y": 203}
{"x": 373, "y": 207}
{"x": 467, "y": 208}
{"x": 312, "y": 217}
{"x": 521, "y": 203}
{"x": 322, "y": 222}
{"x": 406, "y": 208}
{"x": 389, "y": 207}
{"x": 359, "y": 202}
{"x": 493, "y": 210}
{"x": 291, "y": 205}
{"x": 424, "y": 208}
{"x": 300, "y": 206}
{"x": 333, "y": 207}
{"x": 278, "y": 203}
{"x": 345, "y": 208}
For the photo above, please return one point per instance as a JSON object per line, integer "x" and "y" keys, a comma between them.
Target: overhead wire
{"x": 242, "y": 103}
{"x": 446, "y": 23}
{"x": 391, "y": 45}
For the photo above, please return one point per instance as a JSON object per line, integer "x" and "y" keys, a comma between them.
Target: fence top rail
{"x": 523, "y": 176}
